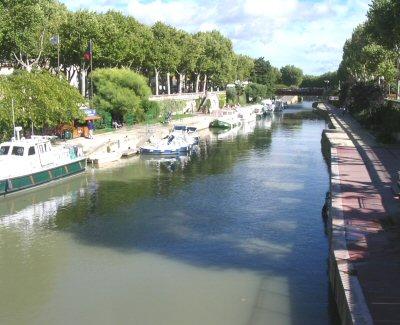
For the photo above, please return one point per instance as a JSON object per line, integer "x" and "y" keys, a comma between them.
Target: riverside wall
{"x": 345, "y": 284}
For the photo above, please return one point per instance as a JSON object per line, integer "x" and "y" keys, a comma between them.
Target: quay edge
{"x": 346, "y": 288}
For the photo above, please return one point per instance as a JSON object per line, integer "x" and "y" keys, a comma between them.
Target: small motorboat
{"x": 188, "y": 133}
{"x": 170, "y": 145}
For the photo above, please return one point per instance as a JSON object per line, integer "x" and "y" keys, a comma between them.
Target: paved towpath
{"x": 372, "y": 220}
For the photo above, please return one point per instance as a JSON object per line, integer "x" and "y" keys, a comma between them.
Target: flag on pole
{"x": 55, "y": 40}
{"x": 89, "y": 52}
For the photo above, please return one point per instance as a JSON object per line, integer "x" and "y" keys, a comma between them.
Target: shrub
{"x": 256, "y": 92}
{"x": 173, "y": 106}
{"x": 120, "y": 92}
{"x": 222, "y": 100}
{"x": 242, "y": 100}
{"x": 105, "y": 121}
{"x": 150, "y": 108}
{"x": 231, "y": 95}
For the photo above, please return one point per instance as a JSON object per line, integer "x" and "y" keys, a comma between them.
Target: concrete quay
{"x": 363, "y": 222}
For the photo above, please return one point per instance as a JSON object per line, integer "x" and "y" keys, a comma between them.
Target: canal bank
{"x": 364, "y": 241}
{"x": 107, "y": 148}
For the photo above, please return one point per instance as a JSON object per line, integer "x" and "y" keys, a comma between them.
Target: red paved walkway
{"x": 373, "y": 240}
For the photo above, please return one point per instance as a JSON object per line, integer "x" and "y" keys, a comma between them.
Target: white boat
{"x": 188, "y": 133}
{"x": 225, "y": 119}
{"x": 170, "y": 145}
{"x": 104, "y": 158}
{"x": 268, "y": 106}
{"x": 26, "y": 163}
{"x": 258, "y": 111}
{"x": 246, "y": 115}
{"x": 279, "y": 105}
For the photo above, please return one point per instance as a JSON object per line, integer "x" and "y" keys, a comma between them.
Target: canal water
{"x": 231, "y": 235}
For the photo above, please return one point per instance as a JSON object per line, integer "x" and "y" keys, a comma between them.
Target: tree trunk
{"x": 180, "y": 84}
{"x": 197, "y": 82}
{"x": 168, "y": 83}
{"x": 157, "y": 73}
{"x": 82, "y": 81}
{"x": 205, "y": 84}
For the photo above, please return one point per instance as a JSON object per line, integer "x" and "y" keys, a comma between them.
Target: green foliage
{"x": 242, "y": 100}
{"x": 383, "y": 23}
{"x": 120, "y": 92}
{"x": 164, "y": 52}
{"x": 105, "y": 121}
{"x": 373, "y": 50}
{"x": 291, "y": 75}
{"x": 368, "y": 106}
{"x": 39, "y": 97}
{"x": 222, "y": 100}
{"x": 366, "y": 99}
{"x": 244, "y": 67}
{"x": 198, "y": 103}
{"x": 231, "y": 95}
{"x": 364, "y": 60}
{"x": 264, "y": 73}
{"x": 151, "y": 109}
{"x": 173, "y": 106}
{"x": 27, "y": 27}
{"x": 207, "y": 105}
{"x": 217, "y": 57}
{"x": 256, "y": 92}
{"x": 320, "y": 81}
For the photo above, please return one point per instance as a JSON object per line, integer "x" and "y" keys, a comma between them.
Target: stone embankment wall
{"x": 345, "y": 285}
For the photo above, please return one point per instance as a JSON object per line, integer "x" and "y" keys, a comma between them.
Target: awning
{"x": 90, "y": 114}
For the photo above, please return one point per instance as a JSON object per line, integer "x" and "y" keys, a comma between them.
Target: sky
{"x": 309, "y": 34}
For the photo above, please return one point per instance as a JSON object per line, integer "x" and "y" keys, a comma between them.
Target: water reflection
{"x": 39, "y": 207}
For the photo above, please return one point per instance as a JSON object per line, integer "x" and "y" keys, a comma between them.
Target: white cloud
{"x": 307, "y": 33}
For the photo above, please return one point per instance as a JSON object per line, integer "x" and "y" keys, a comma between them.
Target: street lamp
{"x": 326, "y": 87}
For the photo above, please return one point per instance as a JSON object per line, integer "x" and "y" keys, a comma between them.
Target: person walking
{"x": 91, "y": 129}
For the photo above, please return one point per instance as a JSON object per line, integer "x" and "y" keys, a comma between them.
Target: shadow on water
{"x": 249, "y": 203}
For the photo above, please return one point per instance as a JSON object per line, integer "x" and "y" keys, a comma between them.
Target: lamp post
{"x": 326, "y": 87}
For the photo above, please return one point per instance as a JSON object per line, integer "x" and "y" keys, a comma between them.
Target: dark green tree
{"x": 291, "y": 75}
{"x": 264, "y": 73}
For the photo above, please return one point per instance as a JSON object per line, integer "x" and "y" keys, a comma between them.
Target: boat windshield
{"x": 17, "y": 151}
{"x": 4, "y": 150}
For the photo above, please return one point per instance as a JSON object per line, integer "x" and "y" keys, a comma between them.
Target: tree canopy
{"x": 373, "y": 51}
{"x": 291, "y": 75}
{"x": 39, "y": 98}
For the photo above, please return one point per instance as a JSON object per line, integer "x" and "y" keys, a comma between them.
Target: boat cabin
{"x": 26, "y": 147}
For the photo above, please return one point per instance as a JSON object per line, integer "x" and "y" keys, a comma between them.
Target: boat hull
{"x": 16, "y": 184}
{"x": 146, "y": 151}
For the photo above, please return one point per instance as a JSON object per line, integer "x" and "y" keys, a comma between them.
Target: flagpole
{"x": 91, "y": 69}
{"x": 58, "y": 53}
{"x": 13, "y": 115}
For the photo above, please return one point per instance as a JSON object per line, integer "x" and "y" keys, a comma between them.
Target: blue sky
{"x": 307, "y": 33}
